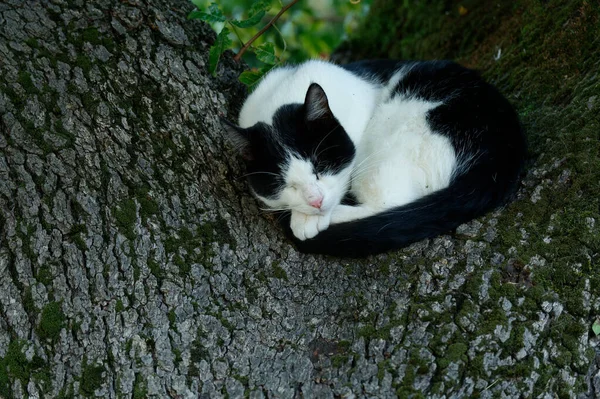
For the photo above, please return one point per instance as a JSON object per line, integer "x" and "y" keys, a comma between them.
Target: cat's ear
{"x": 316, "y": 104}
{"x": 239, "y": 138}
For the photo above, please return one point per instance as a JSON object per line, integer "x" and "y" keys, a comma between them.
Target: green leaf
{"x": 596, "y": 327}
{"x": 215, "y": 10}
{"x": 249, "y": 78}
{"x": 221, "y": 44}
{"x": 256, "y": 18}
{"x": 214, "y": 15}
{"x": 266, "y": 53}
{"x": 206, "y": 17}
{"x": 258, "y": 6}
{"x": 198, "y": 3}
{"x": 255, "y": 14}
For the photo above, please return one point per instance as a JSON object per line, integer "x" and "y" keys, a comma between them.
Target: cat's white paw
{"x": 324, "y": 222}
{"x": 306, "y": 226}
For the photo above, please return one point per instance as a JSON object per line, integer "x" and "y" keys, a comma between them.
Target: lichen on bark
{"x": 134, "y": 263}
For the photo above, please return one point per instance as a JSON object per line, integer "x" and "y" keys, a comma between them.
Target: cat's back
{"x": 351, "y": 98}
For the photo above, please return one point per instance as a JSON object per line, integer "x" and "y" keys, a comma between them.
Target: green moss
{"x": 216, "y": 231}
{"x": 344, "y": 345}
{"x": 243, "y": 379}
{"x": 186, "y": 235}
{"x": 26, "y": 82}
{"x": 140, "y": 388}
{"x": 171, "y": 244}
{"x": 28, "y": 302}
{"x": 155, "y": 269}
{"x": 384, "y": 267}
{"x": 80, "y": 243}
{"x": 91, "y": 378}
{"x": 178, "y": 357}
{"x": 368, "y": 332}
{"x": 148, "y": 206}
{"x": 75, "y": 235}
{"x": 15, "y": 366}
{"x": 279, "y": 272}
{"x": 44, "y": 275}
{"x": 32, "y": 42}
{"x": 37, "y": 134}
{"x": 226, "y": 323}
{"x": 193, "y": 371}
{"x": 207, "y": 231}
{"x": 262, "y": 277}
{"x": 52, "y": 321}
{"x": 172, "y": 317}
{"x": 119, "y": 307}
{"x": 198, "y": 352}
{"x": 197, "y": 246}
{"x": 125, "y": 214}
{"x": 515, "y": 341}
{"x": 91, "y": 35}
{"x": 455, "y": 352}
{"x": 84, "y": 62}
{"x": 67, "y": 392}
{"x": 493, "y": 317}
{"x": 61, "y": 132}
{"x": 381, "y": 369}
{"x": 339, "y": 359}
{"x": 184, "y": 266}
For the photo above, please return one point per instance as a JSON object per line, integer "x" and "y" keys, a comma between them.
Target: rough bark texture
{"x": 543, "y": 261}
{"x": 134, "y": 263}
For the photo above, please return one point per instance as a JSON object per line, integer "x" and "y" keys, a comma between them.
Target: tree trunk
{"x": 134, "y": 262}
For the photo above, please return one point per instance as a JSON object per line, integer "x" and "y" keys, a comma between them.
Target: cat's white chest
{"x": 399, "y": 158}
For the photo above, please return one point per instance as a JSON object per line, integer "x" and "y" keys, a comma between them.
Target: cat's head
{"x": 300, "y": 162}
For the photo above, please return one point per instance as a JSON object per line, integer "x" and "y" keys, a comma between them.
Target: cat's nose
{"x": 316, "y": 203}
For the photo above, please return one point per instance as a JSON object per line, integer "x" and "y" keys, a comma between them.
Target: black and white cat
{"x": 420, "y": 147}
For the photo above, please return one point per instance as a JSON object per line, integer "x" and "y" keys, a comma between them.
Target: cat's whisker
{"x": 325, "y": 149}
{"x": 258, "y": 173}
{"x": 359, "y": 169}
{"x": 360, "y": 165}
{"x": 321, "y": 142}
{"x": 281, "y": 216}
{"x": 370, "y": 156}
{"x": 275, "y": 209}
{"x": 366, "y": 168}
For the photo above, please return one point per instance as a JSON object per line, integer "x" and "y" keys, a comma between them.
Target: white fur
{"x": 351, "y": 99}
{"x": 302, "y": 187}
{"x": 398, "y": 158}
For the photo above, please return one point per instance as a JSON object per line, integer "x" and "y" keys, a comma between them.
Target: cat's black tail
{"x": 467, "y": 197}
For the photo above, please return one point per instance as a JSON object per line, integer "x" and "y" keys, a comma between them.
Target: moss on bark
{"x": 543, "y": 55}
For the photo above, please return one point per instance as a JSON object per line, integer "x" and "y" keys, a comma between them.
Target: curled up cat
{"x": 374, "y": 155}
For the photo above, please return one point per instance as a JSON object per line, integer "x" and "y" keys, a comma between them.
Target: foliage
{"x": 309, "y": 29}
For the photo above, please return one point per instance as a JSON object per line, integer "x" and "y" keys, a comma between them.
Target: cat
{"x": 374, "y": 155}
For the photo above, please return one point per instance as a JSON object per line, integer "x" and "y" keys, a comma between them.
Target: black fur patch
{"x": 324, "y": 142}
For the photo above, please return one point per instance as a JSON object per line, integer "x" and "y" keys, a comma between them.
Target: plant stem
{"x": 236, "y": 32}
{"x": 238, "y": 56}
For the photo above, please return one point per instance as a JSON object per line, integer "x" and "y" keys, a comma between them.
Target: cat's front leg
{"x": 308, "y": 226}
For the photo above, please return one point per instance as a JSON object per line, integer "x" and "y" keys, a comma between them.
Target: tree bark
{"x": 134, "y": 262}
